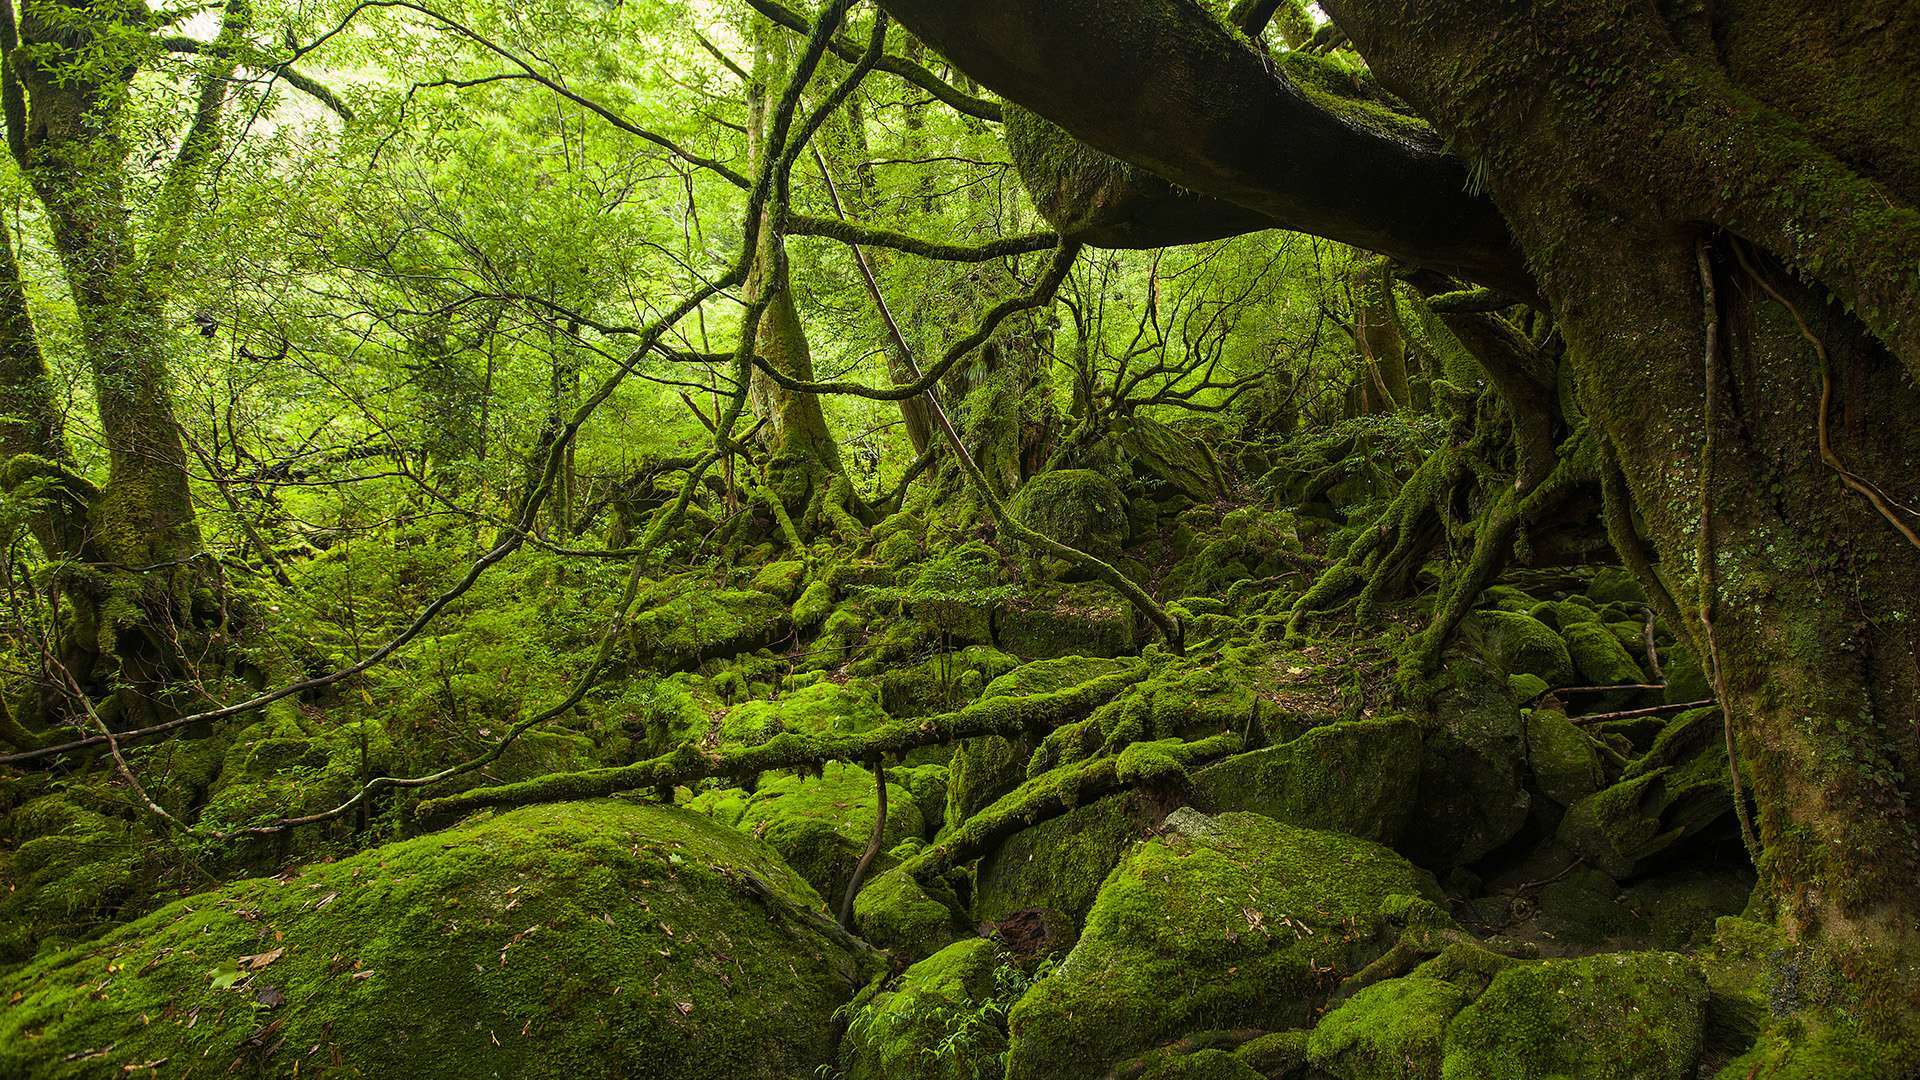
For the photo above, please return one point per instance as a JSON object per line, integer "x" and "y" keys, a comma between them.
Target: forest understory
{"x": 979, "y": 541}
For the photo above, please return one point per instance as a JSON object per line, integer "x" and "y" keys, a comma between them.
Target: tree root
{"x": 1054, "y": 793}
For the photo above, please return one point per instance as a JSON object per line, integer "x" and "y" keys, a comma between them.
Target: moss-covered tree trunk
{"x": 1654, "y": 172}
{"x": 803, "y": 459}
{"x": 143, "y": 537}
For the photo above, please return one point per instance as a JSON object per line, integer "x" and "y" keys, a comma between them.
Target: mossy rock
{"x": 1357, "y": 777}
{"x": 1676, "y": 790}
{"x": 1057, "y": 866}
{"x": 928, "y": 783}
{"x": 1566, "y": 767}
{"x": 813, "y": 606}
{"x": 942, "y": 683}
{"x": 781, "y": 579}
{"x": 899, "y": 915}
{"x": 65, "y": 867}
{"x": 1522, "y": 645}
{"x": 1614, "y": 1016}
{"x": 692, "y": 622}
{"x": 275, "y": 768}
{"x": 1205, "y": 927}
{"x": 1598, "y": 657}
{"x": 935, "y": 1021}
{"x": 1392, "y": 1030}
{"x": 1077, "y": 507}
{"x": 986, "y": 768}
{"x": 981, "y": 770}
{"x": 1614, "y": 585}
{"x": 1682, "y": 907}
{"x": 1471, "y": 797}
{"x": 555, "y": 941}
{"x": 1584, "y": 909}
{"x": 1087, "y": 618}
{"x": 820, "y": 709}
{"x": 822, "y": 824}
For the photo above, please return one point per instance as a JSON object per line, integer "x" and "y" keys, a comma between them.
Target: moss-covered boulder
{"x": 1393, "y": 1030}
{"x": 781, "y": 579}
{"x": 1676, "y": 790}
{"x": 1522, "y": 644}
{"x": 898, "y": 914}
{"x": 1358, "y": 777}
{"x": 1056, "y": 867}
{"x": 822, "y": 708}
{"x": 942, "y": 683}
{"x": 1077, "y": 507}
{"x": 1614, "y": 1016}
{"x": 1599, "y": 658}
{"x": 561, "y": 941}
{"x": 1235, "y": 921}
{"x": 1566, "y": 767}
{"x": 1088, "y": 618}
{"x": 64, "y": 866}
{"x": 686, "y": 621}
{"x": 822, "y": 824}
{"x": 1472, "y": 798}
{"x": 941, "y": 1019}
{"x": 986, "y": 768}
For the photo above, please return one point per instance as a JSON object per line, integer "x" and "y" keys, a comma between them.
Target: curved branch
{"x": 1180, "y": 94}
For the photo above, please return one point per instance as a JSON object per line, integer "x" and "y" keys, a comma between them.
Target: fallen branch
{"x": 1651, "y": 710}
{"x": 690, "y": 762}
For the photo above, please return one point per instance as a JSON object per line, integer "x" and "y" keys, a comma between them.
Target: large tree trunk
{"x": 803, "y": 459}
{"x": 1618, "y": 142}
{"x": 1618, "y": 182}
{"x": 143, "y": 535}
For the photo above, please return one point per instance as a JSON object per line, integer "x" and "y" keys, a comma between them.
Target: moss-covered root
{"x": 1005, "y": 716}
{"x": 1058, "y": 791}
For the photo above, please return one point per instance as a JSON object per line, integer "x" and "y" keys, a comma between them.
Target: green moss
{"x": 820, "y": 825}
{"x": 1057, "y": 866}
{"x": 984, "y": 769}
{"x": 1615, "y": 1016}
{"x": 1277, "y": 1053}
{"x": 942, "y": 1019}
{"x": 1359, "y": 777}
{"x": 819, "y": 709}
{"x": 1522, "y": 645}
{"x": 1077, "y": 507}
{"x": 813, "y": 606}
{"x": 1088, "y": 618}
{"x": 1614, "y": 585}
{"x": 897, "y": 913}
{"x": 64, "y": 867}
{"x": 781, "y": 579}
{"x": 1599, "y": 658}
{"x": 944, "y": 682}
{"x": 1675, "y": 790}
{"x": 1207, "y": 926}
{"x": 1471, "y": 797}
{"x": 1525, "y": 687}
{"x": 1392, "y": 1029}
{"x": 1566, "y": 767}
{"x": 686, "y": 621}
{"x": 557, "y": 941}
{"x": 928, "y": 783}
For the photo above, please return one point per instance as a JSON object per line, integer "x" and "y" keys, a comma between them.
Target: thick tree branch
{"x": 1172, "y": 90}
